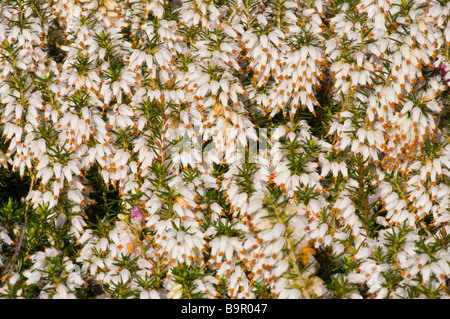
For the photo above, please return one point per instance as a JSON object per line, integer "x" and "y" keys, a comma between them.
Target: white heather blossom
{"x": 235, "y": 149}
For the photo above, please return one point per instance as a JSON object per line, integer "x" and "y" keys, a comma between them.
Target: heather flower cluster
{"x": 224, "y": 149}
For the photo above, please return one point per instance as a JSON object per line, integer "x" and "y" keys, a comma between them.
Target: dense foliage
{"x": 224, "y": 149}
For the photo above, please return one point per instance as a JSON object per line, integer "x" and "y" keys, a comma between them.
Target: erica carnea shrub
{"x": 224, "y": 149}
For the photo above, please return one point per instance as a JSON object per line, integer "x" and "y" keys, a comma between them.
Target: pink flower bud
{"x": 136, "y": 212}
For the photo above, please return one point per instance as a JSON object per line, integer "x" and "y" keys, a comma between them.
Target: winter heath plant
{"x": 224, "y": 149}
